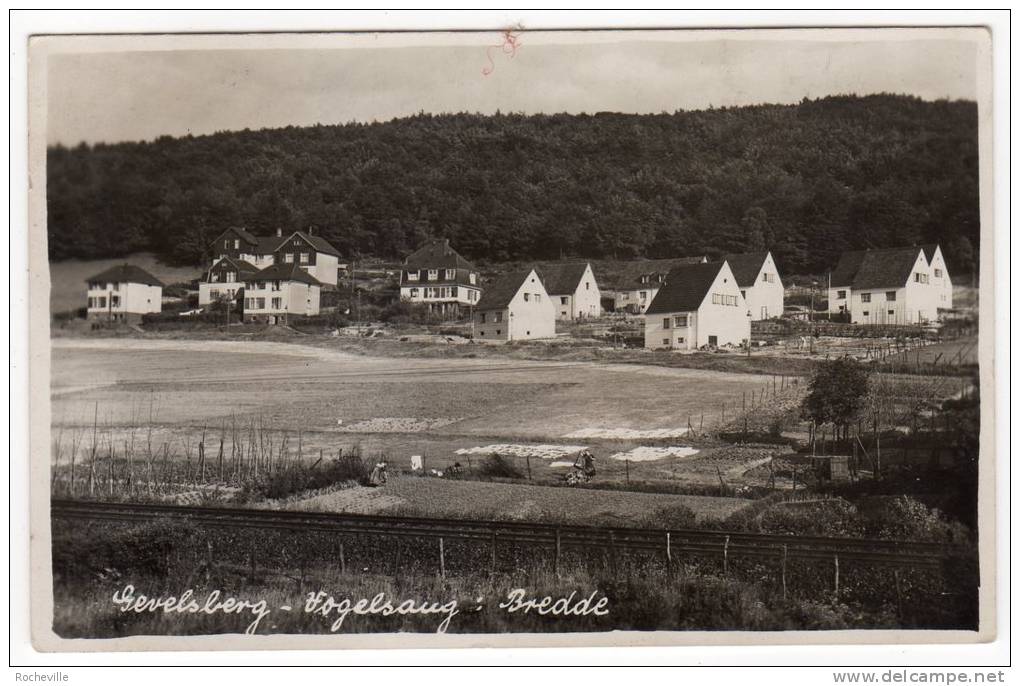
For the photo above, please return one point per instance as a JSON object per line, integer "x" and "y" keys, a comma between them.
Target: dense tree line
{"x": 806, "y": 181}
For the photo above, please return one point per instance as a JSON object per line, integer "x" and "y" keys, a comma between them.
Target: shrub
{"x": 835, "y": 517}
{"x": 296, "y": 478}
{"x": 907, "y": 518}
{"x": 671, "y": 517}
{"x": 497, "y": 466}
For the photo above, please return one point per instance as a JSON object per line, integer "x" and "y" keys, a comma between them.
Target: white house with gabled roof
{"x": 514, "y": 307}
{"x": 758, "y": 278}
{"x": 698, "y": 306}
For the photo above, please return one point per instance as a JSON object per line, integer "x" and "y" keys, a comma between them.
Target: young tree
{"x": 837, "y": 393}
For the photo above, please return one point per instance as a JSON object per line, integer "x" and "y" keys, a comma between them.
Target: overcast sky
{"x": 118, "y": 96}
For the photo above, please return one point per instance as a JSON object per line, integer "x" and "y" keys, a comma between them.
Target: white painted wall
{"x": 530, "y": 315}
{"x": 133, "y": 298}
{"x": 414, "y": 292}
{"x": 621, "y": 299}
{"x": 296, "y": 298}
{"x": 206, "y": 291}
{"x": 765, "y": 298}
{"x": 942, "y": 284}
{"x": 324, "y": 269}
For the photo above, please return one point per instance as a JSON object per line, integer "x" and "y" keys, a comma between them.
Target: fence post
{"x": 493, "y": 546}
{"x": 626, "y": 466}
{"x": 556, "y": 565}
{"x": 669, "y": 552}
{"x": 442, "y": 559}
{"x": 726, "y": 556}
{"x": 784, "y": 572}
{"x": 836, "y": 564}
{"x": 208, "y": 561}
{"x": 528, "y": 459}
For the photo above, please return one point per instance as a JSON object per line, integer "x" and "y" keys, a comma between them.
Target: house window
{"x": 90, "y": 303}
{"x": 563, "y": 300}
{"x": 840, "y": 295}
{"x": 115, "y": 286}
{"x": 665, "y": 341}
{"x": 451, "y": 274}
{"x": 482, "y": 320}
{"x": 288, "y": 257}
{"x": 226, "y": 244}
{"x": 665, "y": 323}
{"x": 538, "y": 297}
{"x": 680, "y": 320}
{"x": 260, "y": 303}
{"x": 865, "y": 313}
{"x": 231, "y": 277}
{"x": 768, "y": 278}
{"x": 414, "y": 292}
{"x": 237, "y": 244}
{"x": 527, "y": 297}
{"x": 890, "y": 296}
{"x": 891, "y": 312}
{"x": 587, "y": 286}
{"x": 277, "y": 303}
{"x": 102, "y": 301}
{"x": 472, "y": 277}
{"x": 433, "y": 274}
{"x": 716, "y": 299}
{"x": 304, "y": 258}
{"x": 865, "y": 298}
{"x": 249, "y": 303}
{"x": 499, "y": 331}
{"x": 920, "y": 278}
{"x": 276, "y": 285}
{"x": 680, "y": 339}
{"x": 214, "y": 294}
{"x": 938, "y": 273}
{"x": 497, "y": 317}
{"x": 644, "y": 295}
{"x": 453, "y": 292}
{"x": 214, "y": 278}
{"x": 412, "y": 276}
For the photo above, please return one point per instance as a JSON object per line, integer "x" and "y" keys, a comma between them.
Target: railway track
{"x": 673, "y": 544}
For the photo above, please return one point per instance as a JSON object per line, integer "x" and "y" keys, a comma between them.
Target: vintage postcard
{"x": 530, "y": 338}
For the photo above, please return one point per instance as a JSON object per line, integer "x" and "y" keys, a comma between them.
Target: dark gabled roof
{"x": 746, "y": 266}
{"x": 502, "y": 290}
{"x": 267, "y": 245}
{"x": 627, "y": 276}
{"x": 243, "y": 267}
{"x": 861, "y": 269}
{"x": 685, "y": 288}
{"x": 285, "y": 271}
{"x": 437, "y": 254}
{"x": 562, "y": 279}
{"x": 318, "y": 242}
{"x": 846, "y": 269}
{"x": 243, "y": 233}
{"x": 126, "y": 273}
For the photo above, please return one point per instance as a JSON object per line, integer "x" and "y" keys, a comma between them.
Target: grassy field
{"x": 429, "y": 497}
{"x": 67, "y": 278}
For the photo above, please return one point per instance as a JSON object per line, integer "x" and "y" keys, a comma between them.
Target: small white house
{"x": 224, "y": 281}
{"x": 515, "y": 307}
{"x": 698, "y": 305}
{"x": 123, "y": 294}
{"x": 893, "y": 286}
{"x": 437, "y": 276}
{"x": 759, "y": 282}
{"x": 574, "y": 291}
{"x": 277, "y": 294}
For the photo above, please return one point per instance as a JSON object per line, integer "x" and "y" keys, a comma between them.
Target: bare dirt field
{"x": 390, "y": 407}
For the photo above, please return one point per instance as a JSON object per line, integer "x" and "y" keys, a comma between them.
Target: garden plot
{"x": 383, "y": 425}
{"x": 648, "y": 453}
{"x": 543, "y": 451}
{"x": 628, "y": 434}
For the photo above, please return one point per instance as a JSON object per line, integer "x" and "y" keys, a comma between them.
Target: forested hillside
{"x": 807, "y": 181}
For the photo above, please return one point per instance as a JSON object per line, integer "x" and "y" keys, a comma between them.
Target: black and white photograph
{"x": 609, "y": 336}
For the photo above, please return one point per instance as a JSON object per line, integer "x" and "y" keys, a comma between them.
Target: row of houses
{"x": 688, "y": 303}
